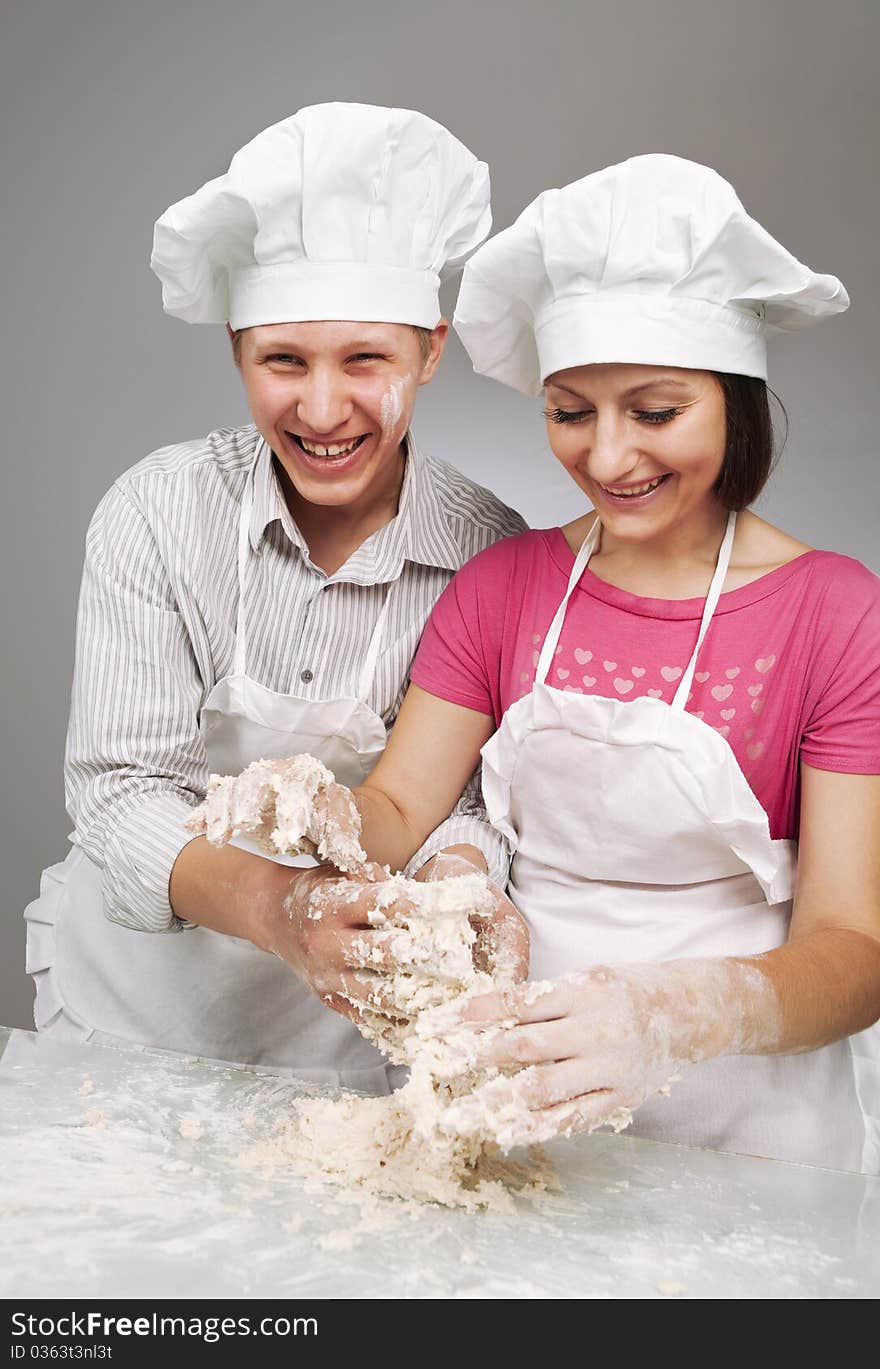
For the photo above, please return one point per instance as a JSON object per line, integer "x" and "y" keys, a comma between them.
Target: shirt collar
{"x": 270, "y": 505}
{"x": 421, "y": 525}
{"x": 420, "y": 531}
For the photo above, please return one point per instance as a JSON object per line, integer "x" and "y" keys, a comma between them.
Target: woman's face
{"x": 645, "y": 443}
{"x": 334, "y": 399}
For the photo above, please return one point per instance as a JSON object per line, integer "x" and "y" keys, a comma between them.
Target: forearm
{"x": 388, "y": 839}
{"x": 468, "y": 826}
{"x": 412, "y": 791}
{"x": 387, "y": 834}
{"x": 827, "y": 985}
{"x": 816, "y": 989}
{"x": 228, "y": 890}
{"x": 134, "y": 765}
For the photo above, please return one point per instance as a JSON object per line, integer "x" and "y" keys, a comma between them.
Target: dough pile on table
{"x": 411, "y": 1144}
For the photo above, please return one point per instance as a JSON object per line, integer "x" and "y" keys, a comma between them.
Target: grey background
{"x": 114, "y": 109}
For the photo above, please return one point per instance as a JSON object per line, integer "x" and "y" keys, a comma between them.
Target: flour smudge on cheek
{"x": 392, "y": 406}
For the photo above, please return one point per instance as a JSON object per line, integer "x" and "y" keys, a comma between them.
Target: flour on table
{"x": 670, "y": 1288}
{"x": 190, "y": 1128}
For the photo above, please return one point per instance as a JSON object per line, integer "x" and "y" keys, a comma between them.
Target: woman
{"x": 669, "y": 694}
{"x": 261, "y": 592}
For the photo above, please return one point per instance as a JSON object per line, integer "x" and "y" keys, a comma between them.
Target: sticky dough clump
{"x": 417, "y": 1144}
{"x": 286, "y": 807}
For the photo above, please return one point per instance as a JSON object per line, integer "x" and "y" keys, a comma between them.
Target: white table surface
{"x": 102, "y": 1196}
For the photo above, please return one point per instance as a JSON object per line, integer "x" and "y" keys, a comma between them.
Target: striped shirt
{"x": 156, "y": 631}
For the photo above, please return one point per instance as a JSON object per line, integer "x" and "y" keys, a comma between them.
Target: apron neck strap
{"x": 368, "y": 670}
{"x": 588, "y": 546}
{"x": 687, "y": 679}
{"x": 244, "y": 529}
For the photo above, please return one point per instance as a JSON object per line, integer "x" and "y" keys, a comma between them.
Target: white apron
{"x": 200, "y": 991}
{"x": 637, "y": 838}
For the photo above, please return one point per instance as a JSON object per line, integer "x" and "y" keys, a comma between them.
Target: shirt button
{"x": 306, "y": 676}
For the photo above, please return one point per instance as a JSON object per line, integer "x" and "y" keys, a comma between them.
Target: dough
{"x": 286, "y": 807}
{"x": 415, "y": 1144}
{"x": 419, "y": 1143}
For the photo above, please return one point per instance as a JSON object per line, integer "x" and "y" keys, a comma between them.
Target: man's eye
{"x": 367, "y": 356}
{"x": 283, "y": 358}
{"x": 656, "y": 415}
{"x": 566, "y": 415}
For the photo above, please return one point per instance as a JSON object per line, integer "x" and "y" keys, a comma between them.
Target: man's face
{"x": 334, "y": 399}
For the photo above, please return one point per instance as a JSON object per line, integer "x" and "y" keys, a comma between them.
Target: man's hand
{"x": 313, "y": 919}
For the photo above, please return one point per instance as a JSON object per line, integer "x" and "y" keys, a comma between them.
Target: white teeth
{"x": 634, "y": 490}
{"x": 333, "y": 450}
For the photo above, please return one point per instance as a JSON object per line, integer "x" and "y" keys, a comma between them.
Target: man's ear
{"x": 438, "y": 342}
{"x": 236, "y": 345}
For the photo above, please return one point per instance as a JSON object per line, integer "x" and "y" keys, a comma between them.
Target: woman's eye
{"x": 282, "y": 359}
{"x": 367, "y": 356}
{"x": 656, "y": 415}
{"x": 566, "y": 415}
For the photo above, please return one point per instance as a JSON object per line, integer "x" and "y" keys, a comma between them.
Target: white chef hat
{"x": 342, "y": 211}
{"x": 654, "y": 261}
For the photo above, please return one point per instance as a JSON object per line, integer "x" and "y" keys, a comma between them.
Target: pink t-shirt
{"x": 789, "y": 669}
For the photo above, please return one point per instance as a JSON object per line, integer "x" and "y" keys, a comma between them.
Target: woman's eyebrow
{"x": 667, "y": 382}
{"x": 554, "y": 385}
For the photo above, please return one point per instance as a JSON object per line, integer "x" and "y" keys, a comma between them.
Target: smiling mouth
{"x": 636, "y": 491}
{"x": 332, "y": 449}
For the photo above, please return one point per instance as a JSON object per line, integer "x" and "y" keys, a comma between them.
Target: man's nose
{"x": 324, "y": 404}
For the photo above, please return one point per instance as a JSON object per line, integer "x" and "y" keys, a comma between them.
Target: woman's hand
{"x": 502, "y": 939}
{"x": 501, "y": 946}
{"x": 591, "y": 1047}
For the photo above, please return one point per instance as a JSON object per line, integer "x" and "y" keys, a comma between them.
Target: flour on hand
{"x": 285, "y": 807}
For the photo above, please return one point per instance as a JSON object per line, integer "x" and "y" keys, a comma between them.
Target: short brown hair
{"x": 751, "y": 441}
{"x": 423, "y": 336}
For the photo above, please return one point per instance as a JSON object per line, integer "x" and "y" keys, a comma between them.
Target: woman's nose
{"x": 612, "y": 454}
{"x": 323, "y": 404}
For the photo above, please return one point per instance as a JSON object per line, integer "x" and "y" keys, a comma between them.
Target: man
{"x": 260, "y": 593}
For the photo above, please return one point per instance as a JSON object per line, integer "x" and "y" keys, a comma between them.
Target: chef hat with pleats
{"x": 654, "y": 261}
{"x": 342, "y": 211}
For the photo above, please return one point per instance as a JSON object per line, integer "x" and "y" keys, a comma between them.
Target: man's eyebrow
{"x": 359, "y": 345}
{"x": 275, "y": 345}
